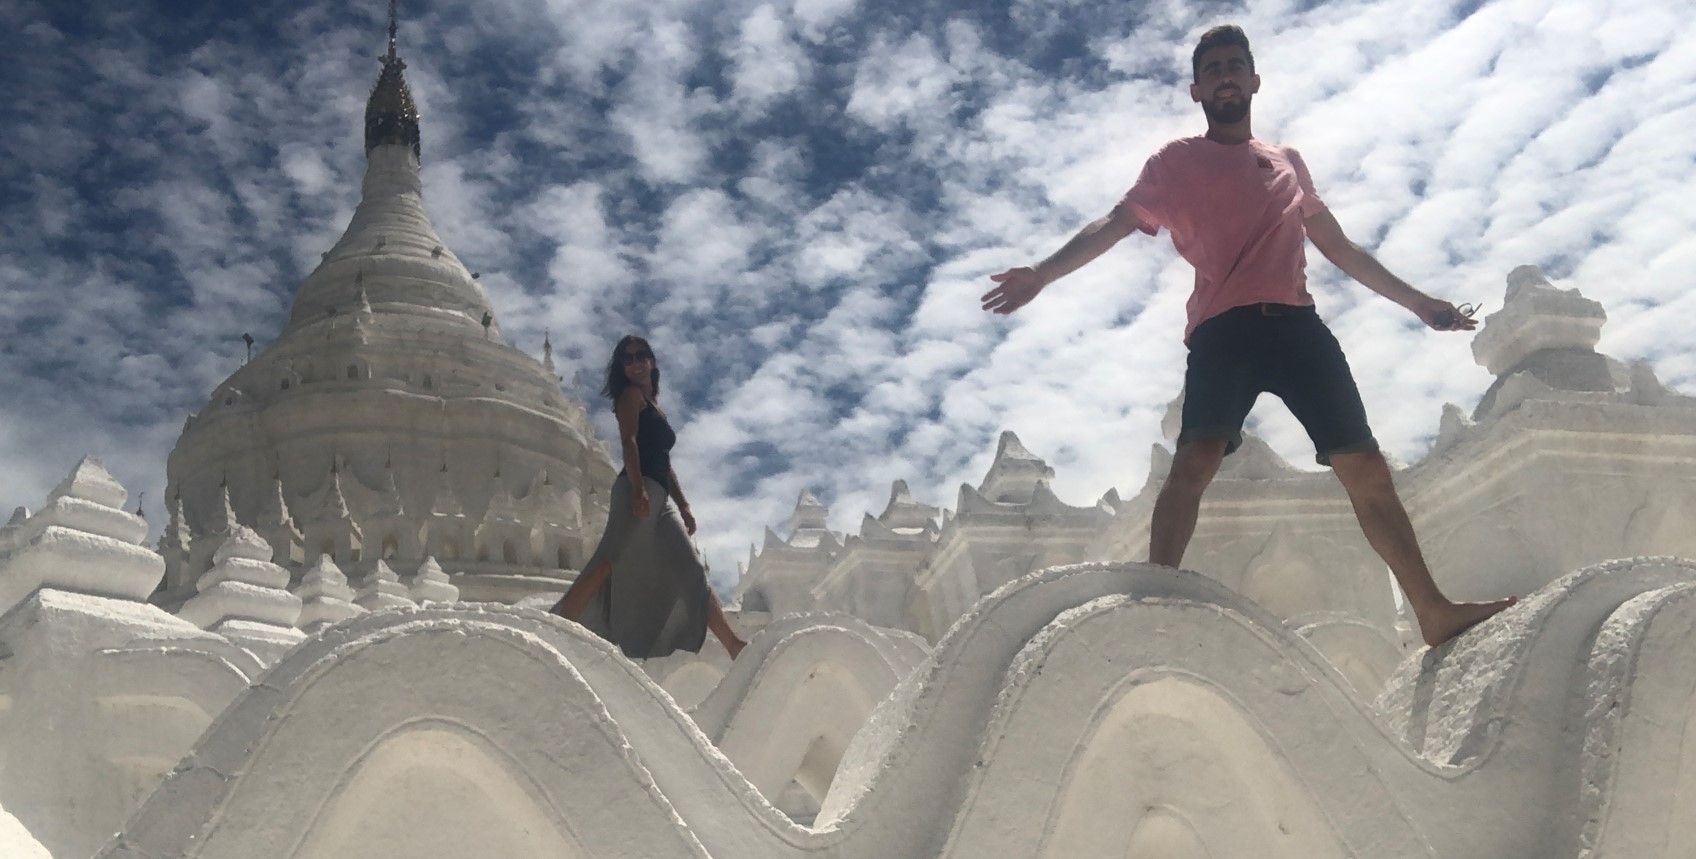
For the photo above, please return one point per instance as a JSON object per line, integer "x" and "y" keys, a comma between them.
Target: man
{"x": 1241, "y": 210}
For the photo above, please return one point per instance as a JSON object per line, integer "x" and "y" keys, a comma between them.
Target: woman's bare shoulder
{"x": 630, "y": 401}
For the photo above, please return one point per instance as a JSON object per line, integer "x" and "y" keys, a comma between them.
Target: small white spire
{"x": 90, "y": 481}
{"x": 245, "y": 598}
{"x": 382, "y": 589}
{"x": 80, "y": 540}
{"x": 226, "y": 522}
{"x": 430, "y": 584}
{"x": 325, "y": 596}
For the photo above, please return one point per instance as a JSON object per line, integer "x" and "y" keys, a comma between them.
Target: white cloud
{"x": 855, "y": 236}
{"x": 775, "y": 175}
{"x": 818, "y": 16}
{"x": 898, "y": 81}
{"x": 589, "y": 255}
{"x": 768, "y": 63}
{"x": 657, "y": 110}
{"x": 702, "y": 241}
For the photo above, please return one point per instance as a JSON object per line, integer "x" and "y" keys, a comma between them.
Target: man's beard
{"x": 1226, "y": 113}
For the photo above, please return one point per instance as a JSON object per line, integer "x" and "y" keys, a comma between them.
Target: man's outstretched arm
{"x": 1327, "y": 235}
{"x": 1019, "y": 285}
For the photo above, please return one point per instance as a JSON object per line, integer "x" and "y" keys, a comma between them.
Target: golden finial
{"x": 390, "y": 114}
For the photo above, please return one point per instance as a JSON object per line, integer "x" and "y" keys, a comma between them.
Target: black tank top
{"x": 654, "y": 440}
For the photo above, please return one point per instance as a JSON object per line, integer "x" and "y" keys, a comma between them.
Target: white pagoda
{"x": 390, "y": 420}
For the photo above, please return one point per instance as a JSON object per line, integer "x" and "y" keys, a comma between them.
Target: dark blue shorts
{"x": 1278, "y": 349}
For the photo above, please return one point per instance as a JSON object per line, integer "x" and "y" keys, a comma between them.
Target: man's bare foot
{"x": 1457, "y": 617}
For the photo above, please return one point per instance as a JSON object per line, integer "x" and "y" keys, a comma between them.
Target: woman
{"x": 645, "y": 589}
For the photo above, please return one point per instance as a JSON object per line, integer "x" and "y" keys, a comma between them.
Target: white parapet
{"x": 795, "y": 697}
{"x": 1084, "y": 711}
{"x": 99, "y": 699}
{"x": 100, "y": 694}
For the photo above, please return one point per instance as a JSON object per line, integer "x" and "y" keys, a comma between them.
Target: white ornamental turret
{"x": 245, "y": 598}
{"x": 1536, "y": 316}
{"x": 1014, "y": 474}
{"x": 904, "y": 512}
{"x": 277, "y": 526}
{"x": 810, "y": 514}
{"x": 430, "y": 584}
{"x": 325, "y": 597}
{"x": 81, "y": 540}
{"x": 382, "y": 589}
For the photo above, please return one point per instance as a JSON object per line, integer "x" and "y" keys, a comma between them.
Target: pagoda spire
{"x": 389, "y": 240}
{"x": 390, "y": 115}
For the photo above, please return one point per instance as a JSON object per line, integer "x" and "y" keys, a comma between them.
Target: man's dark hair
{"x": 1218, "y": 37}
{"x": 616, "y": 380}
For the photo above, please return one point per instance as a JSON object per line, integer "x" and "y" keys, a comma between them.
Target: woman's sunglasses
{"x": 628, "y": 358}
{"x": 1446, "y": 319}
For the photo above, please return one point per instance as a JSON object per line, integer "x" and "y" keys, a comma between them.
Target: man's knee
{"x": 1363, "y": 471}
{"x": 1195, "y": 464}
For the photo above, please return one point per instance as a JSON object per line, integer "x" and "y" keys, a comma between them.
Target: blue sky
{"x": 799, "y": 203}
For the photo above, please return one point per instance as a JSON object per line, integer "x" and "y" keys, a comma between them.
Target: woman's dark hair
{"x": 1220, "y": 36}
{"x": 616, "y": 380}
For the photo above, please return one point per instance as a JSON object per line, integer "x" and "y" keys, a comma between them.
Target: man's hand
{"x": 1443, "y": 316}
{"x": 1327, "y": 235}
{"x": 1018, "y": 287}
{"x": 688, "y": 518}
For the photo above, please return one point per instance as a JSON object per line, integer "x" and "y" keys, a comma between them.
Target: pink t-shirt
{"x": 1236, "y": 212}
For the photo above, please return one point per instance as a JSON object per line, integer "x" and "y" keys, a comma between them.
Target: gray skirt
{"x": 656, "y": 600}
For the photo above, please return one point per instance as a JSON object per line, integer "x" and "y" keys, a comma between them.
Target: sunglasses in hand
{"x": 1447, "y": 319}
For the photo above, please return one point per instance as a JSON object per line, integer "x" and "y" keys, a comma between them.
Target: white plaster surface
{"x": 1081, "y": 711}
{"x": 101, "y": 697}
{"x": 796, "y": 696}
{"x": 16, "y": 842}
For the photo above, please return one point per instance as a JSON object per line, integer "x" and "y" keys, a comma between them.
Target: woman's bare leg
{"x": 720, "y": 626}
{"x": 582, "y": 590}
